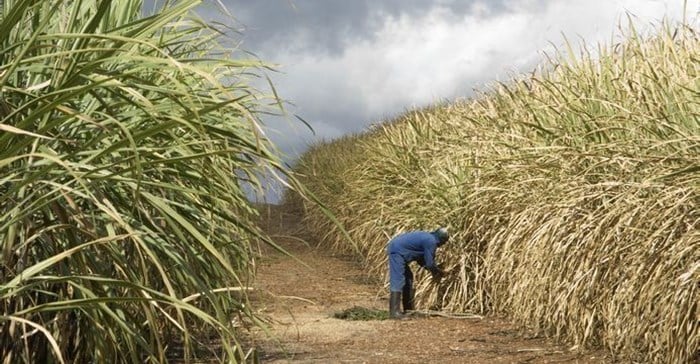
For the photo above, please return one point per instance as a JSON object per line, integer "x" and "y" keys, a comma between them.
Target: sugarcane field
{"x": 151, "y": 212}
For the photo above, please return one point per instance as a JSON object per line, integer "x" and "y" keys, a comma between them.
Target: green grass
{"x": 357, "y": 313}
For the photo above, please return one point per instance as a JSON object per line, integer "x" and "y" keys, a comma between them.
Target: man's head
{"x": 442, "y": 235}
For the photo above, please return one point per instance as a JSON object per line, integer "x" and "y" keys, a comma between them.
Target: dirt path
{"x": 300, "y": 302}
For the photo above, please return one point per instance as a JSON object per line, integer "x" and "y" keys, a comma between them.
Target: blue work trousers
{"x": 400, "y": 275}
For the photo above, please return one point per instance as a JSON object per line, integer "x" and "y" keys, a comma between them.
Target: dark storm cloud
{"x": 328, "y": 25}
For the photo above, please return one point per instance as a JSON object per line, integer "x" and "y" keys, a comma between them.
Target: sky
{"x": 343, "y": 65}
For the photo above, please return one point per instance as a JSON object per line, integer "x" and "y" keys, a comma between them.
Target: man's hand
{"x": 437, "y": 273}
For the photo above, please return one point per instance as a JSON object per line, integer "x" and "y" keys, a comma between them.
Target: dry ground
{"x": 300, "y": 302}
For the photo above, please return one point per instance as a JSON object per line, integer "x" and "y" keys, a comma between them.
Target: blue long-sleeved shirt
{"x": 415, "y": 246}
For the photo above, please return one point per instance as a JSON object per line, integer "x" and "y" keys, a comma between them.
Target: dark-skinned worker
{"x": 413, "y": 246}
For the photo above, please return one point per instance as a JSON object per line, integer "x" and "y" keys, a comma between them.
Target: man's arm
{"x": 429, "y": 258}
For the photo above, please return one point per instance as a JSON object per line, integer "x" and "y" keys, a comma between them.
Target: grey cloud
{"x": 328, "y": 26}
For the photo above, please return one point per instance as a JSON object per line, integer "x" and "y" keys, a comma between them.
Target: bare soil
{"x": 300, "y": 299}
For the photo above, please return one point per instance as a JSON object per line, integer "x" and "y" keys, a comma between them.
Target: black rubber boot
{"x": 407, "y": 297}
{"x": 394, "y": 303}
